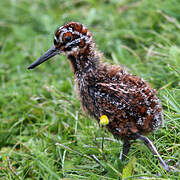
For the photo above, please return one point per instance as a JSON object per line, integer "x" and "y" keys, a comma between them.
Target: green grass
{"x": 43, "y": 132}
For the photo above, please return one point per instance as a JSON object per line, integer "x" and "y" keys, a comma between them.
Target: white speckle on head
{"x": 73, "y": 42}
{"x": 70, "y": 29}
{"x": 60, "y": 37}
{"x": 55, "y": 38}
{"x": 73, "y": 50}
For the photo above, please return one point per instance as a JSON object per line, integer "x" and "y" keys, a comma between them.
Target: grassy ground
{"x": 43, "y": 132}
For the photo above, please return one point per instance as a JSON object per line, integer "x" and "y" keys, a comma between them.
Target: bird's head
{"x": 70, "y": 39}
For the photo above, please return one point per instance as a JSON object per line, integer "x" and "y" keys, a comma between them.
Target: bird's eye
{"x": 68, "y": 38}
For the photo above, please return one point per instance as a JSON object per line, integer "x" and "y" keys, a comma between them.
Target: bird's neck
{"x": 85, "y": 60}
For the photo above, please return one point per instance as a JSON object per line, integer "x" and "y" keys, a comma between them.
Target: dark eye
{"x": 68, "y": 38}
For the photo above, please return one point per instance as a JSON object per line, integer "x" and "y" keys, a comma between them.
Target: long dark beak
{"x": 47, "y": 55}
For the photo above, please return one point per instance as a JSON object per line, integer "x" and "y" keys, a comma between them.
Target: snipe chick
{"x": 130, "y": 103}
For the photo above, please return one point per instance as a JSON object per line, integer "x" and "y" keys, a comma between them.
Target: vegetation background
{"x": 43, "y": 132}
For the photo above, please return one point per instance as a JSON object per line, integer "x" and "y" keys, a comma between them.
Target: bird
{"x": 130, "y": 104}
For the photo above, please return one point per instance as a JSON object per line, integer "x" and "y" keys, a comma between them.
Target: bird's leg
{"x": 153, "y": 149}
{"x": 102, "y": 145}
{"x": 126, "y": 148}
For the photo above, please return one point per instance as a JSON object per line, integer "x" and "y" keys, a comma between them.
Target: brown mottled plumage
{"x": 130, "y": 103}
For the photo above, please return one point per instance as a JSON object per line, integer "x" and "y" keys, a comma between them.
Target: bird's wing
{"x": 115, "y": 88}
{"x": 119, "y": 97}
{"x": 110, "y": 95}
